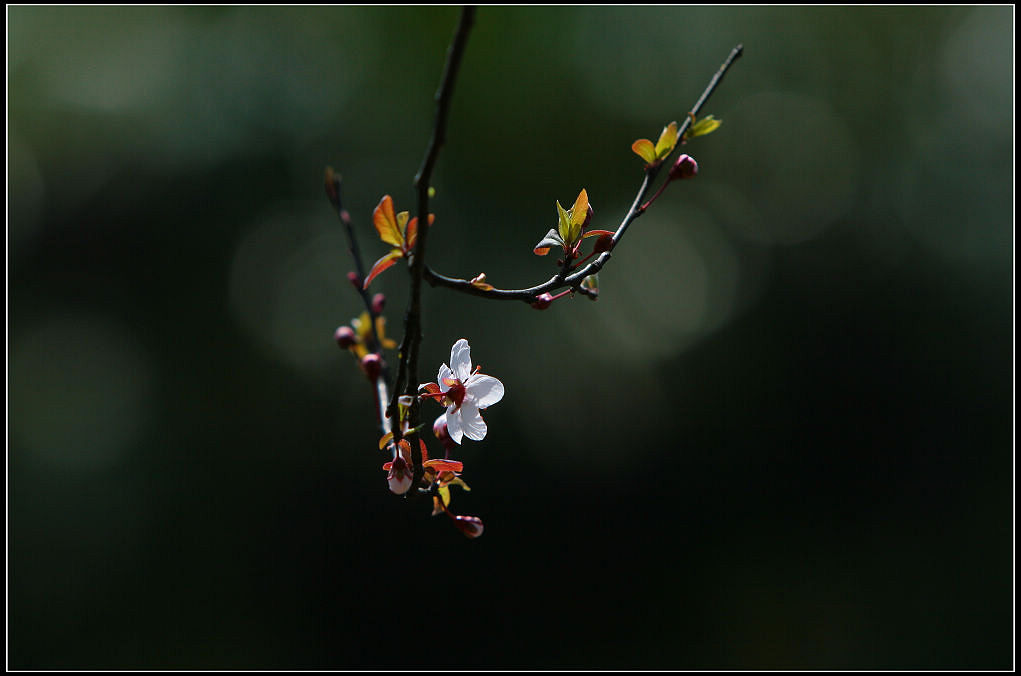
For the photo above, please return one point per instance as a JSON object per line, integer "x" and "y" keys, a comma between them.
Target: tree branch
{"x": 333, "y": 185}
{"x": 407, "y": 371}
{"x": 572, "y": 278}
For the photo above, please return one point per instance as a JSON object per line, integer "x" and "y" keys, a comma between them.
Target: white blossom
{"x": 465, "y": 394}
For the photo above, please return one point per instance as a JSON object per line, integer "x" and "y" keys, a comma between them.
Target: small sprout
{"x": 591, "y": 284}
{"x": 654, "y": 154}
{"x": 572, "y": 221}
{"x": 570, "y": 229}
{"x": 479, "y": 282}
{"x": 706, "y": 125}
{"x": 396, "y": 230}
{"x": 378, "y": 303}
{"x": 355, "y": 280}
{"x": 331, "y": 181}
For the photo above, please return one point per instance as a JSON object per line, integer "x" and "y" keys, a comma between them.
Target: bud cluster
{"x": 365, "y": 338}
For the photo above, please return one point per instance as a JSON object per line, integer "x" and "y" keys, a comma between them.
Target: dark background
{"x": 781, "y": 438}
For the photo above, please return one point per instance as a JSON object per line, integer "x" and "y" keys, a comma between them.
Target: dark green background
{"x": 781, "y": 438}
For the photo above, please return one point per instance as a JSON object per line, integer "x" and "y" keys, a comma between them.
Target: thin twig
{"x": 566, "y": 278}
{"x": 407, "y": 370}
{"x": 333, "y": 192}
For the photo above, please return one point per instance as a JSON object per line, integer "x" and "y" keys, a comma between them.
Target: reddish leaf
{"x": 386, "y": 222}
{"x": 412, "y": 232}
{"x": 444, "y": 465}
{"x": 382, "y": 264}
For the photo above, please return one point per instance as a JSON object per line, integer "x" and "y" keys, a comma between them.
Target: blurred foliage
{"x": 782, "y": 438}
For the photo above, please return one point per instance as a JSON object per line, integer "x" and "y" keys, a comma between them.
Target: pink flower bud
{"x": 372, "y": 365}
{"x": 543, "y": 301}
{"x": 345, "y": 337}
{"x": 684, "y": 167}
{"x": 440, "y": 431}
{"x": 400, "y": 476}
{"x": 604, "y": 243}
{"x": 471, "y": 526}
{"x": 378, "y": 302}
{"x": 355, "y": 280}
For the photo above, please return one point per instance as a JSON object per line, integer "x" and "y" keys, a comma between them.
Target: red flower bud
{"x": 345, "y": 337}
{"x": 355, "y": 280}
{"x": 471, "y": 526}
{"x": 332, "y": 183}
{"x": 543, "y": 302}
{"x": 440, "y": 431}
{"x": 604, "y": 243}
{"x": 378, "y": 302}
{"x": 684, "y": 167}
{"x": 399, "y": 476}
{"x": 372, "y": 365}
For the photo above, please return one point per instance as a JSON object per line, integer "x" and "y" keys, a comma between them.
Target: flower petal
{"x": 484, "y": 390}
{"x": 460, "y": 360}
{"x": 444, "y": 374}
{"x": 474, "y": 426}
{"x": 454, "y": 427}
